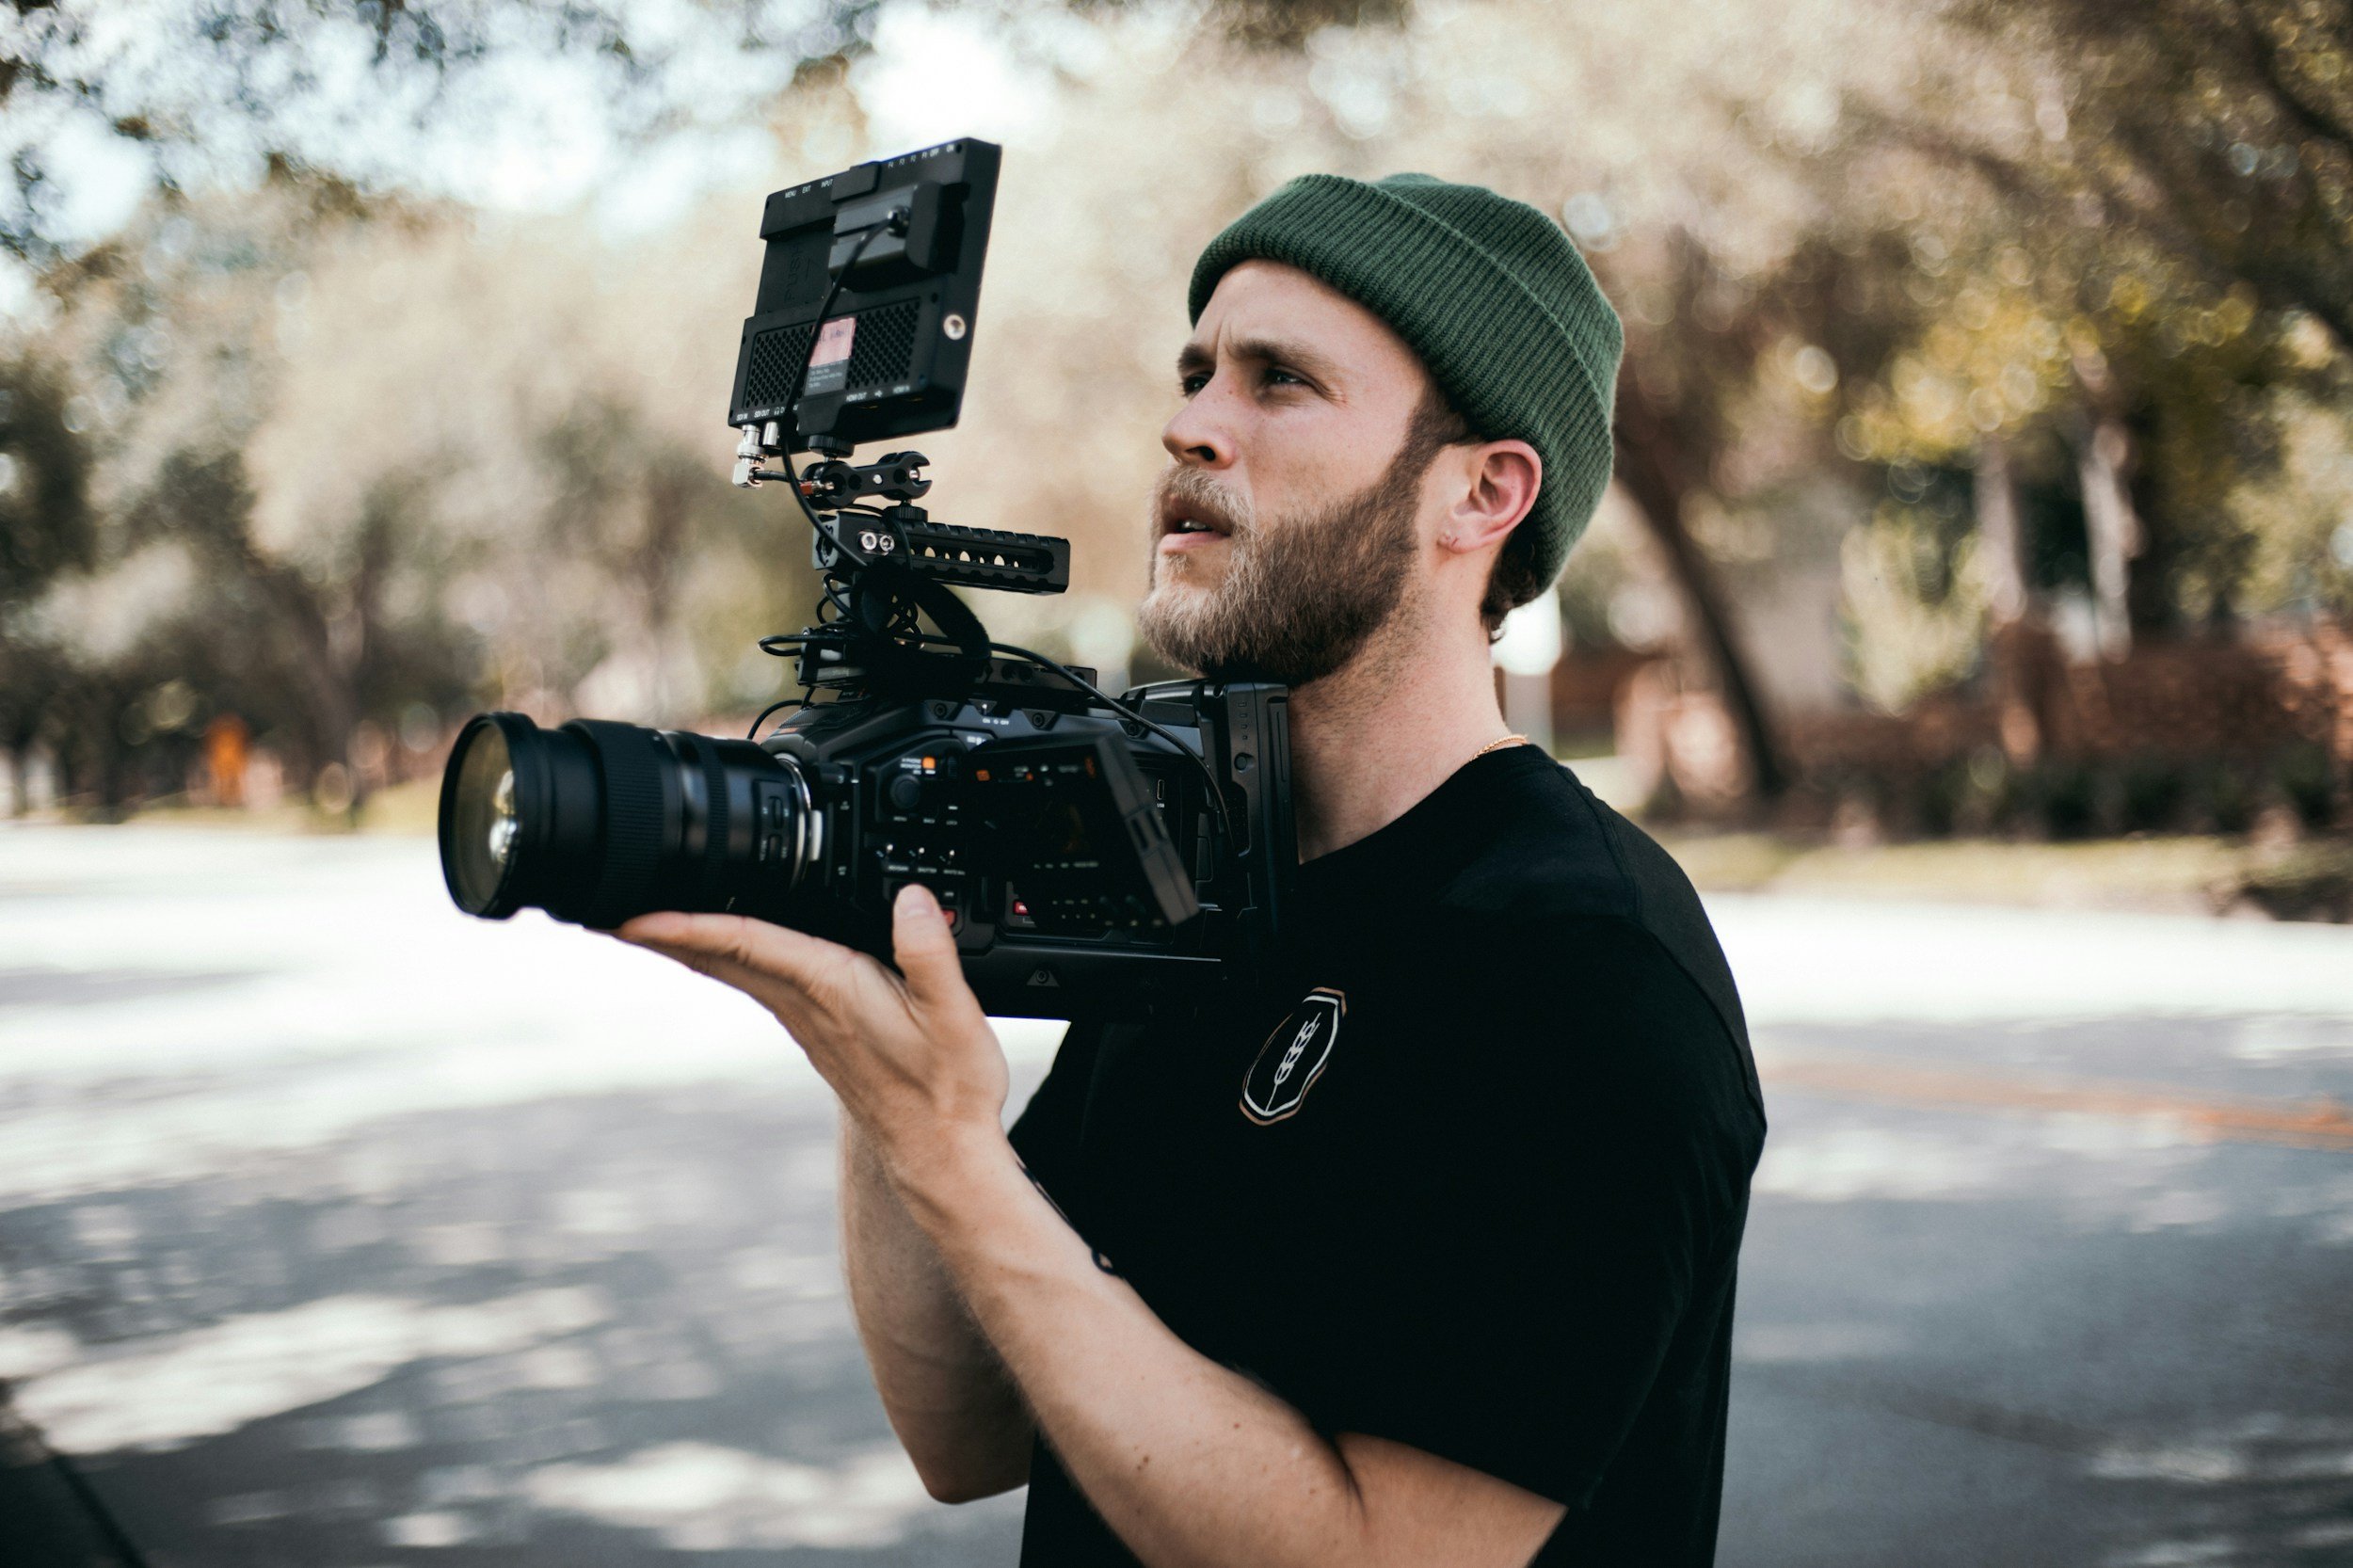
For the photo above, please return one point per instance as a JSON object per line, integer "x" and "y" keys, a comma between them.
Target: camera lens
{"x": 597, "y": 822}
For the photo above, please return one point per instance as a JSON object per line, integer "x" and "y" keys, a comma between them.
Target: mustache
{"x": 1217, "y": 504}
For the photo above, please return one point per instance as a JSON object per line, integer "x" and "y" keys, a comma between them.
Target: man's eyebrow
{"x": 1298, "y": 356}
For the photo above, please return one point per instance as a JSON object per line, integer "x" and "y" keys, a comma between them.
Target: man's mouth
{"x": 1181, "y": 518}
{"x": 1180, "y": 535}
{"x": 1191, "y": 523}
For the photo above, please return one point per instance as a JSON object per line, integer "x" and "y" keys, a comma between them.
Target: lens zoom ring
{"x": 635, "y": 827}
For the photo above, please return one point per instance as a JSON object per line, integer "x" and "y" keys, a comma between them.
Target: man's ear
{"x": 1499, "y": 485}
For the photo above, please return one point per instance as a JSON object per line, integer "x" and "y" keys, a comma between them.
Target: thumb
{"x": 926, "y": 947}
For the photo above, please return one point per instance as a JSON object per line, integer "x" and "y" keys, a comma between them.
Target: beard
{"x": 1301, "y": 595}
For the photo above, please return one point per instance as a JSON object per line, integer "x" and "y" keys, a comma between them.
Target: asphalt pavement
{"x": 339, "y": 1230}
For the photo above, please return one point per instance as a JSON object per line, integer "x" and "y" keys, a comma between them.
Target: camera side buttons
{"x": 922, "y": 826}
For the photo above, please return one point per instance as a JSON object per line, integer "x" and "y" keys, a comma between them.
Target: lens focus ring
{"x": 636, "y": 819}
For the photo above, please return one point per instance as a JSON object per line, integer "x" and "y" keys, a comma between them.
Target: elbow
{"x": 959, "y": 1479}
{"x": 963, "y": 1455}
{"x": 956, "y": 1489}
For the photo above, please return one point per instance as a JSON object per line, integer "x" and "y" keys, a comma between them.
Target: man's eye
{"x": 1277, "y": 377}
{"x": 1193, "y": 383}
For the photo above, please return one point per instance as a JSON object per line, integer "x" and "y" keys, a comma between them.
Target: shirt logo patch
{"x": 1293, "y": 1057}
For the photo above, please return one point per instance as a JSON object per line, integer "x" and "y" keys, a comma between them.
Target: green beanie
{"x": 1487, "y": 291}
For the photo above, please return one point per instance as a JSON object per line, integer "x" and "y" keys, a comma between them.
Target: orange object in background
{"x": 226, "y": 742}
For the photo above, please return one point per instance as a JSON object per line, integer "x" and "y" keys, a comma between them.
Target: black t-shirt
{"x": 1469, "y": 1172}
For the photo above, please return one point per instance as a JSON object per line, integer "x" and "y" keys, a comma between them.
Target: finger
{"x": 798, "y": 977}
{"x": 754, "y": 947}
{"x": 926, "y": 952}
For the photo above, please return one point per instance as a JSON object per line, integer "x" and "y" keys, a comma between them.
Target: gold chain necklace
{"x": 1508, "y": 739}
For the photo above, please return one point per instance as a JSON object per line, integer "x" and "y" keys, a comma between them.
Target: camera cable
{"x": 1201, "y": 765}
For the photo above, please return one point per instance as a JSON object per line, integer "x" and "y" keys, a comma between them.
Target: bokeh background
{"x": 1972, "y": 616}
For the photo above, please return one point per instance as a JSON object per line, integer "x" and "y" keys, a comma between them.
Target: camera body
{"x": 1098, "y": 858}
{"x": 1058, "y": 867}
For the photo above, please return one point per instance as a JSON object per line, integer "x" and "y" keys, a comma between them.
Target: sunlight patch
{"x": 1932, "y": 963}
{"x": 1854, "y": 1163}
{"x": 701, "y": 1498}
{"x": 1814, "y": 1342}
{"x": 172, "y": 1391}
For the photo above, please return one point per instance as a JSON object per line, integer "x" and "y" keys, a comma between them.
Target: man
{"x": 1424, "y": 1253}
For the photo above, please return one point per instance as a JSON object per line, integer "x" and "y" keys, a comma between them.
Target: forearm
{"x": 1188, "y": 1461}
{"x": 941, "y": 1384}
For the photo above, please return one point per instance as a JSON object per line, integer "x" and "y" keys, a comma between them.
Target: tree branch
{"x": 2260, "y": 53}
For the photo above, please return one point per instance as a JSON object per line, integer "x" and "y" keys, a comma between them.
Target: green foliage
{"x": 2221, "y": 132}
{"x": 189, "y": 94}
{"x": 2153, "y": 226}
{"x": 1913, "y": 599}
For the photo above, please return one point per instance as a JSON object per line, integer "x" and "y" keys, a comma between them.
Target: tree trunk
{"x": 2112, "y": 531}
{"x": 1652, "y": 468}
{"x": 2000, "y": 541}
{"x": 2112, "y": 528}
{"x": 2011, "y": 644}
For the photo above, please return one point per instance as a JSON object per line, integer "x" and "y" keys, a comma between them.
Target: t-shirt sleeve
{"x": 1046, "y": 1134}
{"x": 1562, "y": 1164}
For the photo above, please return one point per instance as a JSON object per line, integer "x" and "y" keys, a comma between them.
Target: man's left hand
{"x": 911, "y": 1055}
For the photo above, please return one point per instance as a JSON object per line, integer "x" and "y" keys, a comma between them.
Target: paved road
{"x": 337, "y": 1230}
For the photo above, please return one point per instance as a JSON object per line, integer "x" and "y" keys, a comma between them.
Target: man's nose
{"x": 1196, "y": 435}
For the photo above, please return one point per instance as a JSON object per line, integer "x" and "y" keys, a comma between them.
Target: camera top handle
{"x": 850, "y": 538}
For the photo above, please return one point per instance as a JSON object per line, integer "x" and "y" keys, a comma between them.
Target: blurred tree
{"x": 1824, "y": 324}
{"x": 309, "y": 655}
{"x": 2162, "y": 398}
{"x": 183, "y": 96}
{"x": 2150, "y": 262}
{"x": 1670, "y": 426}
{"x": 46, "y": 529}
{"x": 45, "y": 522}
{"x": 483, "y": 512}
{"x": 186, "y": 95}
{"x": 2222, "y": 130}
{"x": 1287, "y": 24}
{"x": 1734, "y": 379}
{"x": 625, "y": 499}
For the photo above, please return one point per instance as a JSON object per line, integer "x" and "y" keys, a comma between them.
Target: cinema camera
{"x": 1096, "y": 857}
